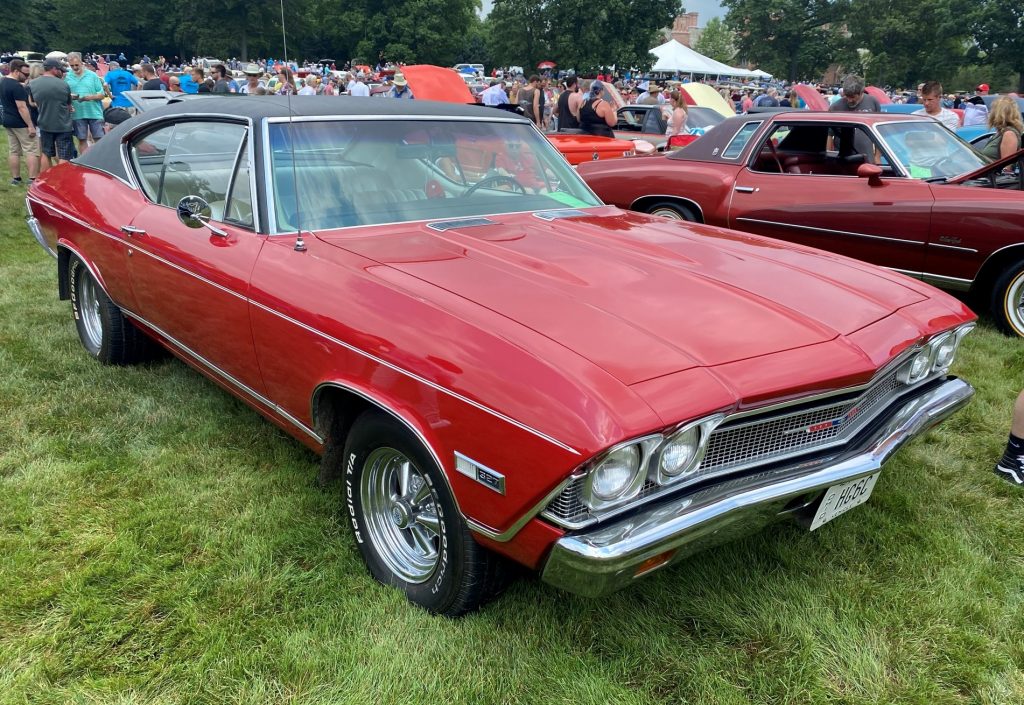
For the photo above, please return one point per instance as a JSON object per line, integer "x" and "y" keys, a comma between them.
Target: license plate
{"x": 842, "y": 498}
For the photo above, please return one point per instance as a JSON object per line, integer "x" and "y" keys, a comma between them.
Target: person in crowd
{"x": 150, "y": 81}
{"x": 222, "y": 82}
{"x": 305, "y": 86}
{"x": 513, "y": 88}
{"x": 358, "y": 87}
{"x": 1004, "y": 118}
{"x": 18, "y": 122}
{"x": 174, "y": 84}
{"x": 677, "y": 120}
{"x": 531, "y": 100}
{"x": 252, "y": 79}
{"x": 567, "y": 109}
{"x": 931, "y": 99}
{"x": 748, "y": 100}
{"x": 854, "y": 99}
{"x": 652, "y": 96}
{"x": 118, "y": 81}
{"x": 597, "y": 117}
{"x": 494, "y": 94}
{"x": 53, "y": 98}
{"x": 1011, "y": 466}
{"x": 87, "y": 93}
{"x": 400, "y": 87}
{"x": 983, "y": 89}
{"x": 975, "y": 111}
{"x": 286, "y": 82}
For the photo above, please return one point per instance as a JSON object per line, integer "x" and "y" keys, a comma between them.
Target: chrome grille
{"x": 760, "y": 438}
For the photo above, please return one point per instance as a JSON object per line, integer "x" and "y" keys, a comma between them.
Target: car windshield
{"x": 927, "y": 150}
{"x": 343, "y": 173}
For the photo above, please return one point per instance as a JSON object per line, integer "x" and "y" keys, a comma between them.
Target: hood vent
{"x": 560, "y": 213}
{"x": 443, "y": 225}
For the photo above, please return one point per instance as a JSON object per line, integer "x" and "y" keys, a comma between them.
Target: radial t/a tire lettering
{"x": 406, "y": 524}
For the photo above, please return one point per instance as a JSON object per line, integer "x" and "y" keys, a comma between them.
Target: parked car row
{"x": 499, "y": 366}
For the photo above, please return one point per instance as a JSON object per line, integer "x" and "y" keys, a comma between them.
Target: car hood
{"x": 639, "y": 296}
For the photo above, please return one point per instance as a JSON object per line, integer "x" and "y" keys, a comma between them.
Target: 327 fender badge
{"x": 492, "y": 479}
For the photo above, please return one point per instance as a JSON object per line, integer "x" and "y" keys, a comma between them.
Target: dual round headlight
{"x": 678, "y": 454}
{"x": 936, "y": 356}
{"x": 616, "y": 474}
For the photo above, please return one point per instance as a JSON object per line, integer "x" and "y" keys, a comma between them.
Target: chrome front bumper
{"x": 608, "y": 558}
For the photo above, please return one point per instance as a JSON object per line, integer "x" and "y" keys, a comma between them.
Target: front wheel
{"x": 105, "y": 332}
{"x": 406, "y": 524}
{"x": 1007, "y": 304}
{"x": 672, "y": 211}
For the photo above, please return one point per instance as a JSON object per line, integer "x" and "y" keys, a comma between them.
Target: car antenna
{"x": 300, "y": 244}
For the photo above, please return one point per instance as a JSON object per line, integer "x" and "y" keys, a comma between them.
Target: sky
{"x": 706, "y": 8}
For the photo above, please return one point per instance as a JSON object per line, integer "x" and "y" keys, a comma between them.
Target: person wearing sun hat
{"x": 252, "y": 79}
{"x": 400, "y": 87}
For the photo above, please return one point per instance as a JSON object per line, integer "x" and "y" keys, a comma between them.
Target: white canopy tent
{"x": 675, "y": 57}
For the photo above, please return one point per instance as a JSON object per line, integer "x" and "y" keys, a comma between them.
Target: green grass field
{"x": 162, "y": 543}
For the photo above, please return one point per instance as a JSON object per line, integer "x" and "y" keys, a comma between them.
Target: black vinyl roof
{"x": 105, "y": 155}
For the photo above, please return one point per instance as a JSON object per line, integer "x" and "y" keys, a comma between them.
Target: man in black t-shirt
{"x": 855, "y": 100}
{"x": 21, "y": 133}
{"x": 150, "y": 80}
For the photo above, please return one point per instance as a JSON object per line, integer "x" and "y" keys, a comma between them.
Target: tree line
{"x": 891, "y": 42}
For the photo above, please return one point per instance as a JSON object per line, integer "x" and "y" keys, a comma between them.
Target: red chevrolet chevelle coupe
{"x": 495, "y": 365}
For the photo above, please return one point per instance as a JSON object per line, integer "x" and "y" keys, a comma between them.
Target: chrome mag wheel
{"x": 89, "y": 310}
{"x": 401, "y": 514}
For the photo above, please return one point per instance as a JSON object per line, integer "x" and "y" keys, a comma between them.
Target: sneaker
{"x": 16, "y": 182}
{"x": 1011, "y": 469}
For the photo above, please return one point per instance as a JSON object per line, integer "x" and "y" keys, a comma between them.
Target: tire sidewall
{"x": 682, "y": 212}
{"x": 373, "y": 431}
{"x": 1002, "y": 304}
{"x": 78, "y": 275}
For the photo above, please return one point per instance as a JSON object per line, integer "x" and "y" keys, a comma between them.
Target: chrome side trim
{"x": 380, "y": 118}
{"x": 944, "y": 282}
{"x": 611, "y": 557}
{"x": 833, "y": 232}
{"x": 249, "y": 391}
{"x": 418, "y": 378}
{"x": 675, "y": 198}
{"x": 172, "y": 265}
{"x": 953, "y": 247}
{"x": 76, "y": 220}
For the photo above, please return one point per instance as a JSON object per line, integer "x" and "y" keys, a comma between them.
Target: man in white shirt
{"x": 358, "y": 87}
{"x": 495, "y": 95}
{"x": 931, "y": 99}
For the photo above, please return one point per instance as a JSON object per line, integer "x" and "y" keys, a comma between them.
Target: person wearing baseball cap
{"x": 983, "y": 89}
{"x": 53, "y": 98}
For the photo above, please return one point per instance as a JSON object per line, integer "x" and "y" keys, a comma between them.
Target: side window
{"x": 189, "y": 159}
{"x": 739, "y": 140}
{"x": 147, "y": 156}
{"x": 200, "y": 161}
{"x": 630, "y": 119}
{"x": 653, "y": 123}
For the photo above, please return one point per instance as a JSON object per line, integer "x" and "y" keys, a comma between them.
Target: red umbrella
{"x": 547, "y": 65}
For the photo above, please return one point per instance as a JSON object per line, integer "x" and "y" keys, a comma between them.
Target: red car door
{"x": 191, "y": 283}
{"x": 800, "y": 191}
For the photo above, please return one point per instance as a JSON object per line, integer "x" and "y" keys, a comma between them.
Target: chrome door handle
{"x": 130, "y": 230}
{"x": 744, "y": 189}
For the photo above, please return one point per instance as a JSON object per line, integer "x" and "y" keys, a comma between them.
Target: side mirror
{"x": 871, "y": 172}
{"x": 195, "y": 212}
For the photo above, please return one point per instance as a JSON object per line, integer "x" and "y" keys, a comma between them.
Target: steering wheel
{"x": 495, "y": 179}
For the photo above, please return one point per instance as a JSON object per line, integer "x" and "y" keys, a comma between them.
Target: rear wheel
{"x": 1007, "y": 304}
{"x": 406, "y": 524}
{"x": 103, "y": 329}
{"x": 672, "y": 211}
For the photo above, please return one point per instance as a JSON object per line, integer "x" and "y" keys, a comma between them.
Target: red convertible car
{"x": 494, "y": 364}
{"x": 895, "y": 190}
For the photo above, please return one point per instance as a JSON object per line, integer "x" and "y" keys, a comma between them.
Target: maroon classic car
{"x": 495, "y": 365}
{"x": 894, "y": 190}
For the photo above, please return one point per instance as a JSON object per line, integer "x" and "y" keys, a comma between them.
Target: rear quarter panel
{"x": 708, "y": 184}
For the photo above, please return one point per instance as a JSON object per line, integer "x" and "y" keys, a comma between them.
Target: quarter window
{"x": 739, "y": 140}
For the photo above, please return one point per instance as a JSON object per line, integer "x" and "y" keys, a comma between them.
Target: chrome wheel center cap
{"x": 400, "y": 515}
